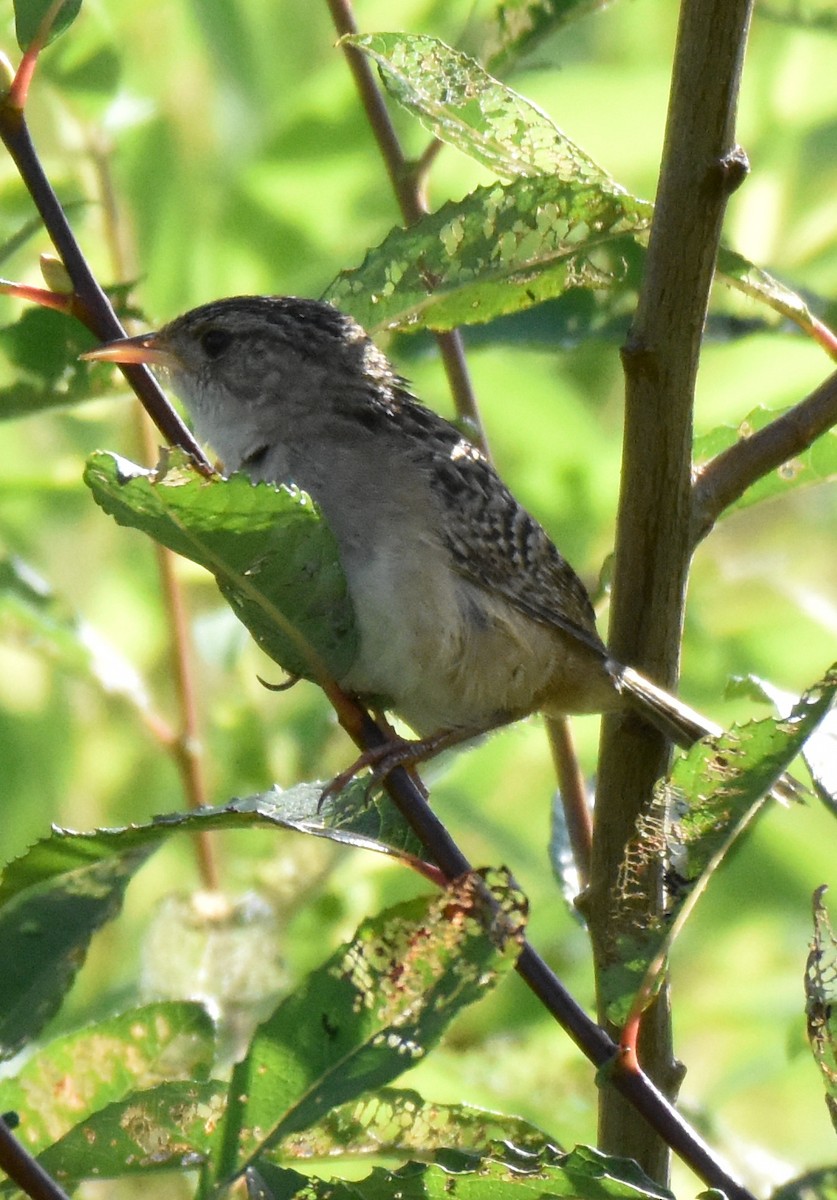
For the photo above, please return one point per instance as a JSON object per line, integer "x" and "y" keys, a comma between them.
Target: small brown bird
{"x": 468, "y": 615}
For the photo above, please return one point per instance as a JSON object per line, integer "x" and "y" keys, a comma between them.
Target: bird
{"x": 468, "y": 616}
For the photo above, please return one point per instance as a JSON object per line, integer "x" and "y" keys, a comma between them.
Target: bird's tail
{"x": 684, "y": 725}
{"x": 671, "y": 716}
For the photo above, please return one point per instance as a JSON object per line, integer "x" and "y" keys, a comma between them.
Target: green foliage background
{"x": 220, "y": 148}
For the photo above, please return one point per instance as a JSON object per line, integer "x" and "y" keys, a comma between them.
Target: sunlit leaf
{"x": 821, "y": 1001}
{"x": 70, "y": 1078}
{"x": 273, "y": 557}
{"x": 501, "y": 249}
{"x": 394, "y": 1123}
{"x": 374, "y": 1009}
{"x": 463, "y": 105}
{"x": 29, "y": 14}
{"x": 711, "y": 796}
{"x": 584, "y": 1173}
{"x": 167, "y": 1127}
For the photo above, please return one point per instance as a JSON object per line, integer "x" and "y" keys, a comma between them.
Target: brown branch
{"x": 408, "y": 185}
{"x": 700, "y": 166}
{"x": 91, "y": 304}
{"x": 725, "y": 478}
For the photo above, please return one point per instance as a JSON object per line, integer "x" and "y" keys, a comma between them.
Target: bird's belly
{"x": 444, "y": 654}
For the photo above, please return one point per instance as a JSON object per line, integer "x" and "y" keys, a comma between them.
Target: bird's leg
{"x": 399, "y": 752}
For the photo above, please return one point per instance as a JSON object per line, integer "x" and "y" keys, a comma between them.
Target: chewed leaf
{"x": 501, "y": 249}
{"x": 693, "y": 818}
{"x": 821, "y": 1001}
{"x": 463, "y": 105}
{"x": 372, "y": 1010}
{"x": 106, "y": 1062}
{"x": 273, "y": 556}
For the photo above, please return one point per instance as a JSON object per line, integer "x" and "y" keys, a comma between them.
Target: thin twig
{"x": 573, "y": 794}
{"x": 93, "y": 306}
{"x": 725, "y": 478}
{"x": 408, "y": 186}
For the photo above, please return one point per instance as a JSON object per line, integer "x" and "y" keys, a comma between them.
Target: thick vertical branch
{"x": 701, "y": 166}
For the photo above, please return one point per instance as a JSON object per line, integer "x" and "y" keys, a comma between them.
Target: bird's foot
{"x": 382, "y": 760}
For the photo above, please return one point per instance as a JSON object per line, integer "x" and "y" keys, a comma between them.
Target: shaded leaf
{"x": 817, "y": 464}
{"x": 517, "y": 27}
{"x": 74, "y": 1076}
{"x": 273, "y": 556}
{"x": 806, "y": 14}
{"x": 820, "y": 1184}
{"x": 503, "y": 248}
{"x": 371, "y": 1011}
{"x": 693, "y": 818}
{"x": 821, "y": 1001}
{"x": 30, "y": 13}
{"x": 52, "y": 901}
{"x": 43, "y": 347}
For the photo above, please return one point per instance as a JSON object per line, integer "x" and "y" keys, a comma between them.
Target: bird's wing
{"x": 496, "y": 544}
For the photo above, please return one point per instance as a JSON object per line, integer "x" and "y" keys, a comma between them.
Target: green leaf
{"x": 373, "y": 1010}
{"x": 30, "y": 13}
{"x": 76, "y": 1075}
{"x": 168, "y": 1127}
{"x": 52, "y": 901}
{"x": 517, "y": 27}
{"x": 817, "y": 464}
{"x": 463, "y": 105}
{"x": 271, "y": 553}
{"x": 43, "y": 347}
{"x": 503, "y": 248}
{"x": 585, "y": 1174}
{"x": 711, "y": 796}
{"x": 394, "y": 1123}
{"x": 821, "y": 1001}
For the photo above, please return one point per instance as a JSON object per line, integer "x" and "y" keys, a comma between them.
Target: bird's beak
{"x": 147, "y": 348}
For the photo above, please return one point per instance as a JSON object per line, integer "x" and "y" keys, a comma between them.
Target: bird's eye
{"x": 215, "y": 341}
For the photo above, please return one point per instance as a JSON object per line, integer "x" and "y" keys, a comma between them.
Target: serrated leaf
{"x": 503, "y": 248}
{"x": 821, "y": 1001}
{"x": 463, "y": 105}
{"x": 712, "y": 794}
{"x": 32, "y": 614}
{"x": 273, "y": 556}
{"x": 29, "y": 15}
{"x": 468, "y": 108}
{"x": 76, "y": 1075}
{"x": 56, "y": 895}
{"x": 584, "y": 1173}
{"x": 373, "y": 1009}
